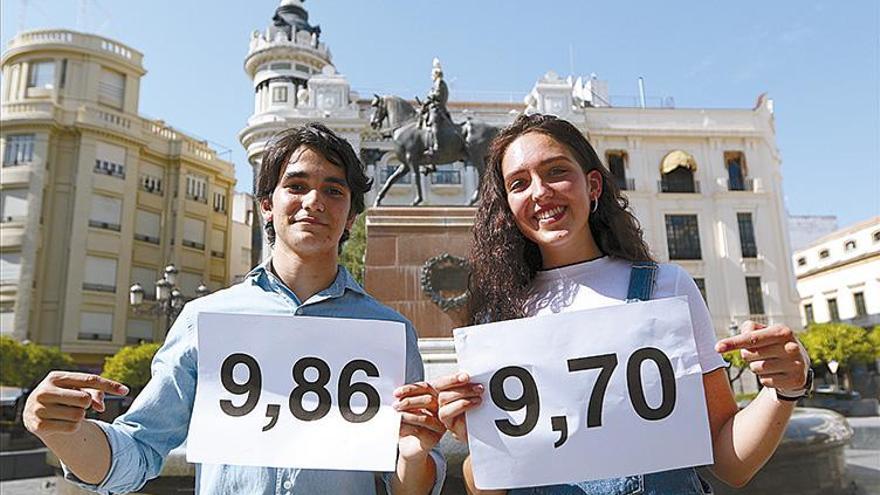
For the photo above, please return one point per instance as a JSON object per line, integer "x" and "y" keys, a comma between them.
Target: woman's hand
{"x": 420, "y": 429}
{"x": 457, "y": 395}
{"x": 774, "y": 354}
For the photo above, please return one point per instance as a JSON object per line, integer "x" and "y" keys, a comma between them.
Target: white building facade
{"x": 838, "y": 276}
{"x": 705, "y": 184}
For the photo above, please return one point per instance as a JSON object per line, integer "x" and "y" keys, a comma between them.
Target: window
{"x": 147, "y": 278}
{"x": 100, "y": 274}
{"x": 701, "y": 284}
{"x": 808, "y": 313}
{"x": 617, "y": 165}
{"x": 95, "y": 326}
{"x": 13, "y": 205}
{"x": 823, "y": 254}
{"x": 193, "y": 233}
{"x": 747, "y": 235}
{"x": 151, "y": 184}
{"x": 801, "y": 261}
{"x": 42, "y": 74}
{"x": 735, "y": 171}
{"x": 147, "y": 226}
{"x": 279, "y": 94}
{"x": 62, "y": 79}
{"x": 196, "y": 188}
{"x": 106, "y": 212}
{"x": 849, "y": 246}
{"x": 111, "y": 88}
{"x": 859, "y": 299}
{"x": 755, "y": 295}
{"x": 220, "y": 202}
{"x": 279, "y": 66}
{"x": 876, "y": 236}
{"x": 19, "y": 150}
{"x": 218, "y": 243}
{"x": 833, "y": 313}
{"x": 138, "y": 331}
{"x": 7, "y": 319}
{"x": 446, "y": 175}
{"x": 387, "y": 170}
{"x": 680, "y": 180}
{"x": 683, "y": 237}
{"x": 189, "y": 282}
{"x": 110, "y": 159}
{"x": 10, "y": 267}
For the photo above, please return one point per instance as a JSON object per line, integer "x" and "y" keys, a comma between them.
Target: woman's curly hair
{"x": 503, "y": 261}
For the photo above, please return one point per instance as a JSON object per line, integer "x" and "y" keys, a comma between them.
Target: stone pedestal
{"x": 400, "y": 241}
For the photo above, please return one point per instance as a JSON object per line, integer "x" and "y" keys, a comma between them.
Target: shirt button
{"x": 287, "y": 484}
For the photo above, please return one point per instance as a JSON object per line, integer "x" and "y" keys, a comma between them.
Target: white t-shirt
{"x": 605, "y": 282}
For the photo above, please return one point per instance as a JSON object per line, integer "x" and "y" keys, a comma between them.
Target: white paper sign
{"x": 585, "y": 395}
{"x": 285, "y": 391}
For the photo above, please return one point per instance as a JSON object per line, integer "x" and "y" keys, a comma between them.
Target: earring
{"x": 594, "y": 206}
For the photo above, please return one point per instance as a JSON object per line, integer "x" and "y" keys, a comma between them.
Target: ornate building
{"x": 95, "y": 197}
{"x": 838, "y": 276}
{"x": 706, "y": 184}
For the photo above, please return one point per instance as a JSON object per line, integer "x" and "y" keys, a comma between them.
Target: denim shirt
{"x": 158, "y": 420}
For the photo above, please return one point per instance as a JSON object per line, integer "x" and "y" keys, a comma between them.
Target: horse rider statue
{"x": 434, "y": 109}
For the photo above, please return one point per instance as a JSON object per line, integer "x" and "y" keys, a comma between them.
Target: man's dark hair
{"x": 326, "y": 143}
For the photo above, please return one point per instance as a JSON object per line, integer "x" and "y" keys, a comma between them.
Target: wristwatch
{"x": 796, "y": 395}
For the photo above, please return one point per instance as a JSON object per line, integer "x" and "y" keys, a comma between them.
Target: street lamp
{"x": 832, "y": 367}
{"x": 169, "y": 299}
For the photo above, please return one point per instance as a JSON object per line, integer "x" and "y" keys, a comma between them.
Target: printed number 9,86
{"x": 253, "y": 385}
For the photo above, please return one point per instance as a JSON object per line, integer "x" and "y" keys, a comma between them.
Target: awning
{"x": 676, "y": 159}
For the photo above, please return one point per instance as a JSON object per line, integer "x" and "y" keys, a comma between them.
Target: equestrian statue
{"x": 427, "y": 136}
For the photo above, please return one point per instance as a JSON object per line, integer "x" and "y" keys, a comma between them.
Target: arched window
{"x": 677, "y": 173}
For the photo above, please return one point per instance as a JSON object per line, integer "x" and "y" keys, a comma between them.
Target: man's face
{"x": 310, "y": 206}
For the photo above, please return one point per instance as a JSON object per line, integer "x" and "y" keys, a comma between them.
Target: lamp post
{"x": 169, "y": 299}
{"x": 832, "y": 367}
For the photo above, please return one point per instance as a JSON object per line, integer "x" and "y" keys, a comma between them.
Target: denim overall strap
{"x": 642, "y": 276}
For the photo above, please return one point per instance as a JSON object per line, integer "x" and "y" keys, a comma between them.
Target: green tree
{"x": 846, "y": 344}
{"x": 12, "y": 359}
{"x": 355, "y": 248}
{"x": 25, "y": 365}
{"x": 874, "y": 337}
{"x": 131, "y": 365}
{"x": 736, "y": 361}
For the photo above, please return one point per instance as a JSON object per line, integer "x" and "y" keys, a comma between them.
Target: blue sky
{"x": 819, "y": 61}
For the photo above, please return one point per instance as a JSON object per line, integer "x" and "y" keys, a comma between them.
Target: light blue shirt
{"x": 158, "y": 420}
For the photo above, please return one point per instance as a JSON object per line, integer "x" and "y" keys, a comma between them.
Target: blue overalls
{"x": 676, "y": 482}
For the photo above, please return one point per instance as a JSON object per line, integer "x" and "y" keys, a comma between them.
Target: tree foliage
{"x": 25, "y": 365}
{"x": 131, "y": 365}
{"x": 355, "y": 248}
{"x": 846, "y": 344}
{"x": 736, "y": 361}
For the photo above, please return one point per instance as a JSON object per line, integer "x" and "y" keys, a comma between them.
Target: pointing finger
{"x": 86, "y": 380}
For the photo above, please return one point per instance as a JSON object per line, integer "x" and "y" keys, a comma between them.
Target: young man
{"x": 311, "y": 188}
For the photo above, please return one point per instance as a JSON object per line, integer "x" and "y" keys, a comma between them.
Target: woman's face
{"x": 549, "y": 195}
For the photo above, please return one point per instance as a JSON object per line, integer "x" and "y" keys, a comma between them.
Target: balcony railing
{"x": 675, "y": 186}
{"x": 218, "y": 254}
{"x": 627, "y": 184}
{"x": 745, "y": 184}
{"x": 200, "y": 199}
{"x": 194, "y": 244}
{"x": 147, "y": 238}
{"x": 446, "y": 177}
{"x": 98, "y": 287}
{"x": 105, "y": 225}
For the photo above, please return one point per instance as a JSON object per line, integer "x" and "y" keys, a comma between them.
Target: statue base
{"x": 401, "y": 241}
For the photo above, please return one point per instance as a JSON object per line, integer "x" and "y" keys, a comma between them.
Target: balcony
{"x": 678, "y": 186}
{"x": 105, "y": 225}
{"x": 193, "y": 244}
{"x": 147, "y": 238}
{"x": 626, "y": 184}
{"x": 446, "y": 177}
{"x": 747, "y": 184}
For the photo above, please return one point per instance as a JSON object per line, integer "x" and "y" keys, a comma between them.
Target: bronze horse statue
{"x": 467, "y": 141}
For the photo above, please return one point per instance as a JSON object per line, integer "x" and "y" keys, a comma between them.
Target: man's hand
{"x": 59, "y": 403}
{"x": 420, "y": 429}
{"x": 457, "y": 395}
{"x": 773, "y": 353}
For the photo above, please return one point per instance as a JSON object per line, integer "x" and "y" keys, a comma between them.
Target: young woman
{"x": 555, "y": 215}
